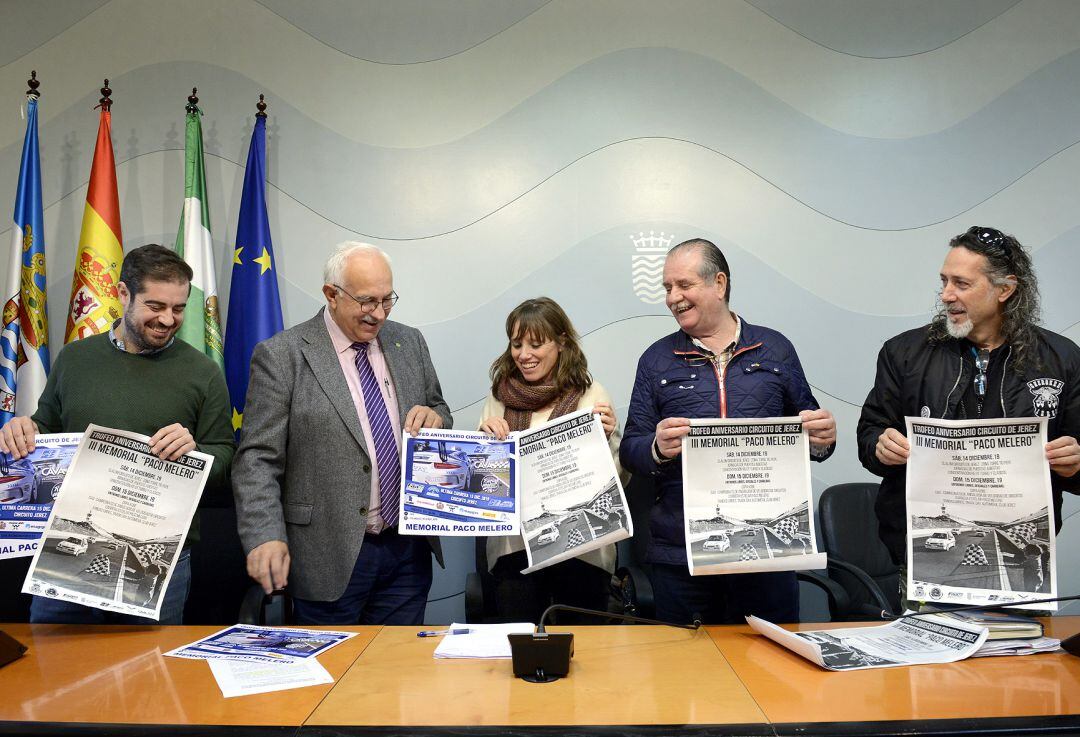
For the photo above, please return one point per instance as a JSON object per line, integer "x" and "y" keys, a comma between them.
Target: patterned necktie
{"x": 382, "y": 433}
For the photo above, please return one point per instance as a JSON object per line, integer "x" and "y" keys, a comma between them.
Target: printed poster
{"x": 747, "y": 498}
{"x": 117, "y": 528}
{"x": 28, "y": 488}
{"x": 572, "y": 500}
{"x": 980, "y": 512}
{"x": 458, "y": 483}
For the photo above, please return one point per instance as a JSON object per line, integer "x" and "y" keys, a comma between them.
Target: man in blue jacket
{"x": 715, "y": 365}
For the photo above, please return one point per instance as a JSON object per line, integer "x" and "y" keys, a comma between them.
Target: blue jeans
{"x": 725, "y": 599}
{"x": 389, "y": 585}
{"x": 53, "y": 611}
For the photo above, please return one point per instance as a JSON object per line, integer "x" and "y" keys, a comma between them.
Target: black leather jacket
{"x": 918, "y": 378}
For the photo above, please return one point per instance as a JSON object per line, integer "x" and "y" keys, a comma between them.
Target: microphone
{"x": 543, "y": 657}
{"x": 1070, "y": 644}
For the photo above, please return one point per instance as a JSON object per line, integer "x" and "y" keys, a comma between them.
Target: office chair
{"x": 631, "y": 584}
{"x": 480, "y": 589}
{"x": 862, "y": 580}
{"x": 218, "y": 565}
{"x": 267, "y": 610}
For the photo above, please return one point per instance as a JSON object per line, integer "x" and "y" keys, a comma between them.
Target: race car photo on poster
{"x": 458, "y": 484}
{"x": 28, "y": 488}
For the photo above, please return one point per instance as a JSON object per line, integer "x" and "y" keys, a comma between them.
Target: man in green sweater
{"x": 138, "y": 378}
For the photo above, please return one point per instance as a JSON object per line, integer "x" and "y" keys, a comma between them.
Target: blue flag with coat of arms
{"x": 24, "y": 337}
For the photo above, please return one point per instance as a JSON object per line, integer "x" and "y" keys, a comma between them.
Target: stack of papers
{"x": 247, "y": 660}
{"x": 1002, "y": 625}
{"x": 1017, "y": 647}
{"x": 482, "y": 641}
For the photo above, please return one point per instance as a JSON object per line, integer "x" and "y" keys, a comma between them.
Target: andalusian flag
{"x": 24, "y": 340}
{"x": 194, "y": 245}
{"x": 254, "y": 303}
{"x": 95, "y": 302}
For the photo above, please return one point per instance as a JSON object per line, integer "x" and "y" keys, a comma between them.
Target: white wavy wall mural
{"x": 502, "y": 149}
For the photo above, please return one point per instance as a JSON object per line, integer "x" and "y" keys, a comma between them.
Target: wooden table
{"x": 111, "y": 675}
{"x": 629, "y": 675}
{"x": 1029, "y": 690}
{"x": 636, "y": 680}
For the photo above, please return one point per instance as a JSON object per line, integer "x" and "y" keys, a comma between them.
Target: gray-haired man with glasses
{"x": 982, "y": 356}
{"x": 317, "y": 475}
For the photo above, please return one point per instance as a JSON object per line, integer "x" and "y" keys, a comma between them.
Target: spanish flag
{"x": 95, "y": 302}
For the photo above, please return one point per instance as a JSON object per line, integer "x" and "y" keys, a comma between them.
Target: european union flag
{"x": 24, "y": 338}
{"x": 254, "y": 303}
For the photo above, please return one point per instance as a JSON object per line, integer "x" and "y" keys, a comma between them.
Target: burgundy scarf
{"x": 522, "y": 399}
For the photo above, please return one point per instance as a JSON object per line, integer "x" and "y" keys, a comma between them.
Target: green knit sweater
{"x": 94, "y": 382}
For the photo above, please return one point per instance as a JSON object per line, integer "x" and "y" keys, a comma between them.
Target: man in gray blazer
{"x": 317, "y": 475}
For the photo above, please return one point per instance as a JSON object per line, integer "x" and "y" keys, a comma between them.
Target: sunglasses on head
{"x": 991, "y": 237}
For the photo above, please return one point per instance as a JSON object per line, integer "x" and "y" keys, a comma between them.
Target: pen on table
{"x": 436, "y": 633}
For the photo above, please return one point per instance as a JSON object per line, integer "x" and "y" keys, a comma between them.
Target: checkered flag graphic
{"x": 748, "y": 552}
{"x": 786, "y": 529}
{"x": 147, "y": 554}
{"x": 603, "y": 505}
{"x": 99, "y": 566}
{"x": 575, "y": 538}
{"x": 974, "y": 556}
{"x": 1025, "y": 531}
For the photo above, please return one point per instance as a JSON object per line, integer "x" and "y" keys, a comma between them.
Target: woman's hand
{"x": 607, "y": 417}
{"x": 496, "y": 426}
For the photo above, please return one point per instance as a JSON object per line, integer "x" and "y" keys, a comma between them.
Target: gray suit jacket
{"x": 302, "y": 473}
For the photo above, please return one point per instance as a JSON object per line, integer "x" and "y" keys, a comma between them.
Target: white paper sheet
{"x": 242, "y": 678}
{"x": 483, "y": 641}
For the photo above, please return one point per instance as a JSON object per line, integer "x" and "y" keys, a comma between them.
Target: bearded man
{"x": 983, "y": 356}
{"x": 137, "y": 377}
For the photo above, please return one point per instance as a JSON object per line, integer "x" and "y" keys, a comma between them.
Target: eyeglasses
{"x": 369, "y": 304}
{"x": 991, "y": 237}
{"x": 982, "y": 361}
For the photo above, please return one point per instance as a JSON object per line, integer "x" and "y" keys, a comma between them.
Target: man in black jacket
{"x": 982, "y": 356}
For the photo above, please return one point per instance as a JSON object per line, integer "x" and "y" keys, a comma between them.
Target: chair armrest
{"x": 251, "y": 607}
{"x": 274, "y": 610}
{"x": 474, "y": 599}
{"x": 635, "y": 591}
{"x": 863, "y": 578}
{"x": 839, "y": 601}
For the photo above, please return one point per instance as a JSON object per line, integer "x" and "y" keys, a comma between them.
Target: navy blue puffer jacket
{"x": 675, "y": 378}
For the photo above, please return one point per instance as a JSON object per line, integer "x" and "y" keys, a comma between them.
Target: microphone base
{"x": 541, "y": 657}
{"x": 540, "y": 677}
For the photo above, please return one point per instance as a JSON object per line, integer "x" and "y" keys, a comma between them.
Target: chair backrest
{"x": 849, "y": 531}
{"x": 640, "y": 496}
{"x": 218, "y": 566}
{"x": 14, "y": 605}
